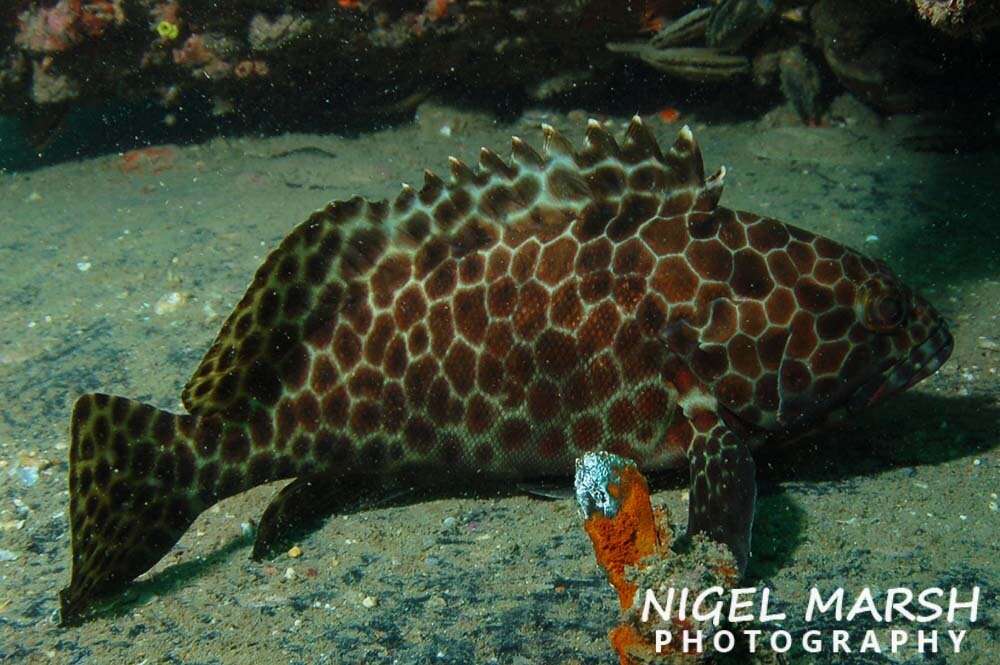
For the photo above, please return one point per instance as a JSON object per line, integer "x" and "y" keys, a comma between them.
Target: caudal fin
{"x": 134, "y": 490}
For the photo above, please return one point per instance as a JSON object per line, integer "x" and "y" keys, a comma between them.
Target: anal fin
{"x": 301, "y": 506}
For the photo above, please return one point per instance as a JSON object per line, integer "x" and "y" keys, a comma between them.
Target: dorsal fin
{"x": 314, "y": 288}
{"x": 600, "y": 141}
{"x": 640, "y": 144}
{"x": 524, "y": 154}
{"x": 685, "y": 157}
{"x": 492, "y": 163}
{"x": 461, "y": 174}
{"x": 556, "y": 144}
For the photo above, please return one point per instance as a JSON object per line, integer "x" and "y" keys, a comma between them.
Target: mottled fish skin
{"x": 499, "y": 326}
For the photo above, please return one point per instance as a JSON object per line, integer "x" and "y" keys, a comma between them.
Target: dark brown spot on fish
{"x": 441, "y": 283}
{"x": 596, "y": 285}
{"x": 317, "y": 267}
{"x": 261, "y": 428}
{"x": 410, "y": 307}
{"x": 595, "y": 255}
{"x": 834, "y": 324}
{"x": 163, "y": 428}
{"x": 813, "y": 296}
{"x": 472, "y": 268}
{"x": 286, "y": 422}
{"x": 295, "y": 367}
{"x": 138, "y": 420}
{"x": 470, "y": 314}
{"x": 557, "y": 353}
{"x": 674, "y": 279}
{"x": 490, "y": 374}
{"x": 395, "y": 358}
{"x": 226, "y": 388}
{"x": 795, "y": 377}
{"x": 750, "y": 278}
{"x": 419, "y": 435}
{"x": 460, "y": 367}
{"x": 514, "y": 434}
{"x": 419, "y": 376}
{"x": 710, "y": 361}
{"x": 780, "y": 306}
{"x": 389, "y": 277}
{"x": 828, "y": 357}
{"x": 594, "y": 219}
{"x": 566, "y": 310}
{"x": 606, "y": 181}
{"x": 417, "y": 226}
{"x": 557, "y": 261}
{"x": 523, "y": 264}
{"x": 335, "y": 407}
{"x": 365, "y": 418}
{"x": 288, "y": 268}
{"x": 587, "y": 433}
{"x": 771, "y": 346}
{"x": 417, "y": 340}
{"x": 552, "y": 444}
{"x": 442, "y": 328}
{"x": 529, "y": 317}
{"x": 235, "y": 446}
{"x": 802, "y": 256}
{"x": 431, "y": 254}
{"x": 502, "y": 297}
{"x": 378, "y": 338}
{"x": 207, "y": 437}
{"x": 324, "y": 375}
{"x": 597, "y": 332}
{"x": 307, "y": 411}
{"x": 346, "y": 347}
{"x": 635, "y": 210}
{"x": 543, "y": 400}
{"x": 803, "y": 338}
{"x": 480, "y": 415}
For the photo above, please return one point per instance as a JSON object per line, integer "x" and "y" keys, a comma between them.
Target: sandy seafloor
{"x": 89, "y": 255}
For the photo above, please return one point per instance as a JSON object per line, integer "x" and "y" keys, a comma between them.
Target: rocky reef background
{"x": 344, "y": 64}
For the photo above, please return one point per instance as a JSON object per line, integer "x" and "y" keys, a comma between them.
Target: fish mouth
{"x": 922, "y": 361}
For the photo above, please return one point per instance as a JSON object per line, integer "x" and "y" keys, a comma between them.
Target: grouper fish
{"x": 497, "y": 327}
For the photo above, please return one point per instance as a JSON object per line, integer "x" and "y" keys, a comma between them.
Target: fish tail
{"x": 138, "y": 478}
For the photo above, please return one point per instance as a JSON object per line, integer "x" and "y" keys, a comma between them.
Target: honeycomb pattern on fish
{"x": 502, "y": 324}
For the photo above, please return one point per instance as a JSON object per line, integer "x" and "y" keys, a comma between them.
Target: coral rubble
{"x": 632, "y": 543}
{"x": 344, "y": 59}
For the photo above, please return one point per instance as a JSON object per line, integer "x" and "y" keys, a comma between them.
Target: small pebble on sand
{"x": 28, "y": 475}
{"x": 988, "y": 344}
{"x": 369, "y": 601}
{"x": 289, "y": 573}
{"x": 83, "y": 266}
{"x": 169, "y": 303}
{"x": 295, "y": 552}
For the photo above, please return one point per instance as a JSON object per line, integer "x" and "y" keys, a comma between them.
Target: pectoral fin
{"x": 723, "y": 490}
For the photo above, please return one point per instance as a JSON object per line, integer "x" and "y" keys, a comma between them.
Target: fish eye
{"x": 884, "y": 307}
{"x": 889, "y": 312}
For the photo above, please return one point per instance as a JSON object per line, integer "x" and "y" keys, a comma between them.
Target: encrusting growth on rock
{"x": 632, "y": 542}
